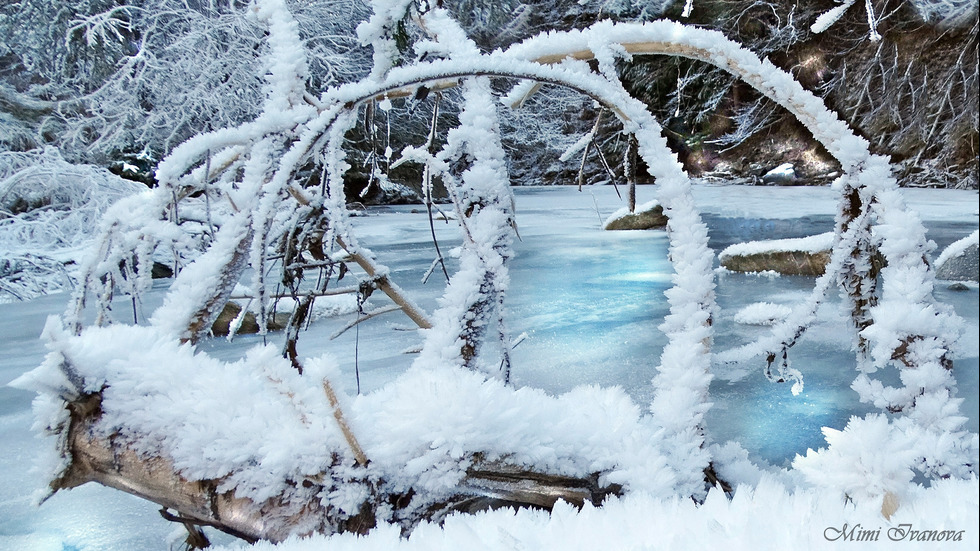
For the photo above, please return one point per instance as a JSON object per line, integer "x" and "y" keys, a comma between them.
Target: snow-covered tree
{"x": 105, "y": 79}
{"x": 48, "y": 209}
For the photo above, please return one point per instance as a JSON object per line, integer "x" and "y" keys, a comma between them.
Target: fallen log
{"x": 108, "y": 460}
{"x": 105, "y": 460}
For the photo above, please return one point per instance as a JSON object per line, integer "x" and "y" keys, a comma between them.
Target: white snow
{"x": 957, "y": 248}
{"x": 784, "y": 170}
{"x": 762, "y": 313}
{"x": 761, "y": 517}
{"x": 831, "y": 16}
{"x": 811, "y": 244}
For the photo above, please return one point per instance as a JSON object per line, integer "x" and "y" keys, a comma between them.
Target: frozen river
{"x": 589, "y": 301}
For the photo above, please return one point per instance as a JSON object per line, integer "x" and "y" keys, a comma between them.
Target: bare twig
{"x": 365, "y": 317}
{"x": 427, "y": 185}
{"x": 388, "y": 287}
{"x": 338, "y": 414}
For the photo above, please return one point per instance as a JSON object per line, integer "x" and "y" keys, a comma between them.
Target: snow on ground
{"x": 762, "y": 313}
{"x": 765, "y": 517}
{"x": 590, "y": 302}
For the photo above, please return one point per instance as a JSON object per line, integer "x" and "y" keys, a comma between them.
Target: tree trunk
{"x": 107, "y": 460}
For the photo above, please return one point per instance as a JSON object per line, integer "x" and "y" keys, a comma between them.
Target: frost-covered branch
{"x": 473, "y": 307}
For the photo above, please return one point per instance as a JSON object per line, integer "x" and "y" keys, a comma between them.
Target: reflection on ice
{"x": 642, "y": 277}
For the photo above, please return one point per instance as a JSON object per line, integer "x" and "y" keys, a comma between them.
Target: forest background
{"x": 120, "y": 83}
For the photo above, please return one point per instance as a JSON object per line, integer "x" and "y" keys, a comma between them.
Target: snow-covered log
{"x": 96, "y": 457}
{"x": 261, "y": 451}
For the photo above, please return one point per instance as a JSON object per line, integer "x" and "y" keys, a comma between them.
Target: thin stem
{"x": 338, "y": 414}
{"x": 427, "y": 186}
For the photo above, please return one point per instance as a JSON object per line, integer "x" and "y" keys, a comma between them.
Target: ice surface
{"x": 590, "y": 302}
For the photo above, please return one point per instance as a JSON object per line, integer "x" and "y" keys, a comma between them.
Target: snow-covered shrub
{"x": 102, "y": 77}
{"x": 48, "y": 211}
{"x": 948, "y": 13}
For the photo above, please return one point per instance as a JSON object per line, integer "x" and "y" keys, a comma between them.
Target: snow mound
{"x": 762, "y": 313}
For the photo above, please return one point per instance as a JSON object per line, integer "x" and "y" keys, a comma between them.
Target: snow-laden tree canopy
{"x": 48, "y": 209}
{"x": 278, "y": 451}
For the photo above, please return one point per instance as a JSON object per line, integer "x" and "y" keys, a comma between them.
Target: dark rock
{"x": 783, "y": 262}
{"x": 222, "y": 326}
{"x": 391, "y": 193}
{"x": 652, "y": 218}
{"x": 161, "y": 271}
{"x": 964, "y": 266}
